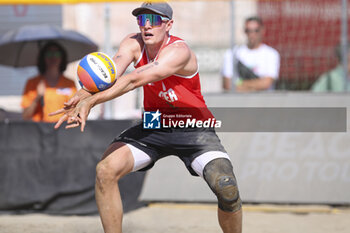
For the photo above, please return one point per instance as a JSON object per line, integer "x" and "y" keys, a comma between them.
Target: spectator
{"x": 50, "y": 89}
{"x": 253, "y": 66}
{"x": 333, "y": 80}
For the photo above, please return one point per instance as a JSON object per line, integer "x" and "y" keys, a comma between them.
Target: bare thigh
{"x": 118, "y": 159}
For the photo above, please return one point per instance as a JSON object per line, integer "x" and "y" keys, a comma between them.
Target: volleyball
{"x": 96, "y": 72}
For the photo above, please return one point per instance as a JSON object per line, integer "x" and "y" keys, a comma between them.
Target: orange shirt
{"x": 54, "y": 97}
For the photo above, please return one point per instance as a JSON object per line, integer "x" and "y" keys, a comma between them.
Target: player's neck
{"x": 153, "y": 50}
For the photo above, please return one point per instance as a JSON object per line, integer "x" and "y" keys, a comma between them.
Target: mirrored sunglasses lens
{"x": 141, "y": 20}
{"x": 154, "y": 20}
{"x": 157, "y": 20}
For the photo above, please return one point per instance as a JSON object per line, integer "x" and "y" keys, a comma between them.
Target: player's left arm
{"x": 173, "y": 59}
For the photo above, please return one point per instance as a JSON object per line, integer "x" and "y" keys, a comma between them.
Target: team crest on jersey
{"x": 168, "y": 95}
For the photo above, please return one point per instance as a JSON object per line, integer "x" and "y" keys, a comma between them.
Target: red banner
{"x": 305, "y": 32}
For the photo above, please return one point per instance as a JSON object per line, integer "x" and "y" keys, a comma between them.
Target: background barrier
{"x": 51, "y": 171}
{"x": 274, "y": 167}
{"x": 44, "y": 170}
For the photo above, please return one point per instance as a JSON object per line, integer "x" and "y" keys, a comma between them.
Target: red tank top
{"x": 175, "y": 94}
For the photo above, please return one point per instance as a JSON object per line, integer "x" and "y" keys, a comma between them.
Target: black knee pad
{"x": 218, "y": 173}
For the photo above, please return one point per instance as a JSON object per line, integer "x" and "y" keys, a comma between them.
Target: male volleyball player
{"x": 168, "y": 71}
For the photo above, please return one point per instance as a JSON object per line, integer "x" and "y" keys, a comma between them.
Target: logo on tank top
{"x": 168, "y": 95}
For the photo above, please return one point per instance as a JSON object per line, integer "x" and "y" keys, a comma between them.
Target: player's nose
{"x": 148, "y": 24}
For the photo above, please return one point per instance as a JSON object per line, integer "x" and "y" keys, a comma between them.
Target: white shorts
{"x": 142, "y": 160}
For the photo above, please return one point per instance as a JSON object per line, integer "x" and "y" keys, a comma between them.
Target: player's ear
{"x": 169, "y": 25}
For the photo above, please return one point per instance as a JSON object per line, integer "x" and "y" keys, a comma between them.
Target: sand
{"x": 191, "y": 218}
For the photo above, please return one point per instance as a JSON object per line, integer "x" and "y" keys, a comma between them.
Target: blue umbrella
{"x": 20, "y": 47}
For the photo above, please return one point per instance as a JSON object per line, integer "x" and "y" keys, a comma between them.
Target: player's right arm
{"x": 128, "y": 51}
{"x": 122, "y": 59}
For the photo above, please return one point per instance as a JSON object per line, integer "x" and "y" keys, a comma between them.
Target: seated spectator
{"x": 49, "y": 90}
{"x": 333, "y": 80}
{"x": 253, "y": 66}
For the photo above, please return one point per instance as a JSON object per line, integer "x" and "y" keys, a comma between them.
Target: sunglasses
{"x": 252, "y": 30}
{"x": 53, "y": 54}
{"x": 154, "y": 20}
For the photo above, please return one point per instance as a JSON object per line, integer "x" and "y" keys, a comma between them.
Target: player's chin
{"x": 148, "y": 40}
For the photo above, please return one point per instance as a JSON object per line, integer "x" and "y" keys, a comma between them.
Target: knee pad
{"x": 218, "y": 173}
